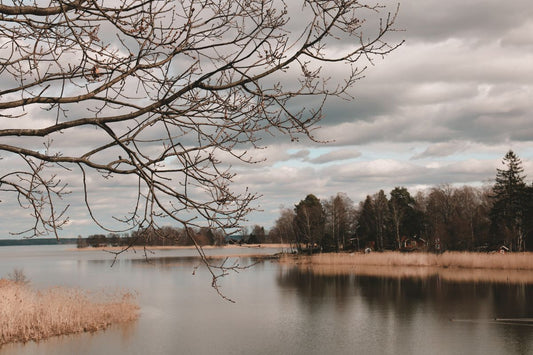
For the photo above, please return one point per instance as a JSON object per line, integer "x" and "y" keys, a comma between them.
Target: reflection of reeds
{"x": 452, "y": 266}
{"x": 400, "y": 272}
{"x": 241, "y": 260}
{"x": 26, "y": 314}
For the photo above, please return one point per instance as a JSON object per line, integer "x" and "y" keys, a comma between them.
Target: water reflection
{"x": 311, "y": 287}
{"x": 449, "y": 274}
{"x": 447, "y": 298}
{"x": 190, "y": 262}
{"x": 285, "y": 310}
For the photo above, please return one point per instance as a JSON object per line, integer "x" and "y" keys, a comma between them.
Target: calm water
{"x": 278, "y": 310}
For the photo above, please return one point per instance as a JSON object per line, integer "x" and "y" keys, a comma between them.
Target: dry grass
{"x": 511, "y": 261}
{"x": 27, "y": 314}
{"x": 451, "y": 266}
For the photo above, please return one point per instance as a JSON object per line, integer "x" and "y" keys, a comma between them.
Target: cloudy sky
{"x": 444, "y": 108}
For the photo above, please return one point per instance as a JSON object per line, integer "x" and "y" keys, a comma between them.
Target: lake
{"x": 279, "y": 309}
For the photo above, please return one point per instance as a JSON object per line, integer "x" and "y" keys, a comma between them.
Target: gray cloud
{"x": 335, "y": 156}
{"x": 433, "y": 20}
{"x": 441, "y": 149}
{"x": 443, "y": 108}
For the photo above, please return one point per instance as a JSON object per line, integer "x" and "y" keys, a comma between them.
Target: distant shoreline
{"x": 182, "y": 247}
{"x": 37, "y": 241}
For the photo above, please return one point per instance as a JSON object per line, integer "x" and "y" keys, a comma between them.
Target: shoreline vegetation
{"x": 452, "y": 266}
{"x": 449, "y": 259}
{"x": 27, "y": 314}
{"x": 521, "y": 261}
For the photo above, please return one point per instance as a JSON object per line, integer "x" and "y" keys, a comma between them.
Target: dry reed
{"x": 451, "y": 266}
{"x": 414, "y": 272}
{"x": 511, "y": 261}
{"x": 27, "y": 314}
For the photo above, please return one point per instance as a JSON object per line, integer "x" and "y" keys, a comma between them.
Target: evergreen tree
{"x": 510, "y": 202}
{"x": 401, "y": 209}
{"x": 309, "y": 222}
{"x": 365, "y": 230}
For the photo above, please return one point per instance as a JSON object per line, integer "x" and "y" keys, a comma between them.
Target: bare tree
{"x": 283, "y": 230}
{"x": 467, "y": 201}
{"x": 440, "y": 211}
{"x": 338, "y": 210}
{"x": 161, "y": 95}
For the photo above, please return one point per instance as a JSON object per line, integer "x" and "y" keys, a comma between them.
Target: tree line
{"x": 444, "y": 217}
{"x": 172, "y": 236}
{"x": 162, "y": 236}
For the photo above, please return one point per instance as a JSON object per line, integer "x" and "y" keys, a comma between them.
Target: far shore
{"x": 184, "y": 247}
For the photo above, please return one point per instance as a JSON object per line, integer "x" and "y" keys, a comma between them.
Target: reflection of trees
{"x": 189, "y": 261}
{"x": 513, "y": 302}
{"x": 196, "y": 261}
{"x": 311, "y": 288}
{"x": 407, "y": 295}
{"x": 447, "y": 299}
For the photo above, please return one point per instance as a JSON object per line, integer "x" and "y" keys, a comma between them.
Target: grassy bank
{"x": 510, "y": 261}
{"x": 451, "y": 266}
{"x": 27, "y": 314}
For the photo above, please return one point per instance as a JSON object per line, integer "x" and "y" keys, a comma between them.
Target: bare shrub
{"x": 18, "y": 276}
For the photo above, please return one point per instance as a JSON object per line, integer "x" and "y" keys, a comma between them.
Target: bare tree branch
{"x": 165, "y": 89}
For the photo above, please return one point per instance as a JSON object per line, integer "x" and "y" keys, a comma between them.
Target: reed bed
{"x": 27, "y": 314}
{"x": 510, "y": 261}
{"x": 451, "y": 266}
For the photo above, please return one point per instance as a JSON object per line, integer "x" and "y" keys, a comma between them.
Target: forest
{"x": 164, "y": 236}
{"x": 437, "y": 219}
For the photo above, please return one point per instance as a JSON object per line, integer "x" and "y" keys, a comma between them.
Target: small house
{"x": 413, "y": 243}
{"x": 503, "y": 249}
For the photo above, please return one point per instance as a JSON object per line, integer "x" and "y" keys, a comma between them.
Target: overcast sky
{"x": 444, "y": 108}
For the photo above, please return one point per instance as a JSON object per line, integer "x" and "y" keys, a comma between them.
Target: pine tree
{"x": 401, "y": 207}
{"x": 365, "y": 229}
{"x": 509, "y": 193}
